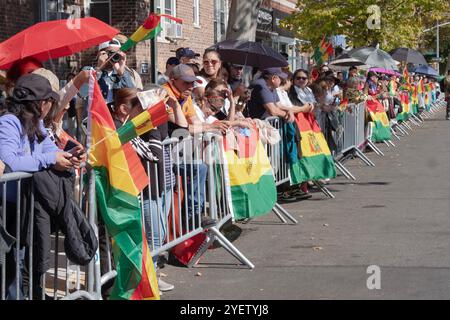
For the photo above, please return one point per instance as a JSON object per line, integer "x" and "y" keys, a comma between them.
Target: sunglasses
{"x": 213, "y": 62}
{"x": 216, "y": 103}
{"x": 301, "y": 78}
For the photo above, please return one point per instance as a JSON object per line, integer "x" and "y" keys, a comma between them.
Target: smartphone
{"x": 70, "y": 145}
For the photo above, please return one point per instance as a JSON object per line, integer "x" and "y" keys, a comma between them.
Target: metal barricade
{"x": 353, "y": 138}
{"x": 179, "y": 212}
{"x": 13, "y": 183}
{"x": 280, "y": 166}
{"x": 12, "y": 218}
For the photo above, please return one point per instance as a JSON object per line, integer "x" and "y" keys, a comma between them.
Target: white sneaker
{"x": 164, "y": 286}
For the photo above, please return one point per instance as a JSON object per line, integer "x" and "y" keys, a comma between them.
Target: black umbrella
{"x": 374, "y": 57}
{"x": 344, "y": 60}
{"x": 249, "y": 53}
{"x": 426, "y": 70}
{"x": 408, "y": 55}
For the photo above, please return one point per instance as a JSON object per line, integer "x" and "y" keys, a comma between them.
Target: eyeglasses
{"x": 213, "y": 62}
{"x": 301, "y": 78}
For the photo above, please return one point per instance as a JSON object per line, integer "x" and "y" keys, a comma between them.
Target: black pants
{"x": 448, "y": 107}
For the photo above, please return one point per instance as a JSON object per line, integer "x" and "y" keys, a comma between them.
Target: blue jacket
{"x": 16, "y": 150}
{"x": 21, "y": 156}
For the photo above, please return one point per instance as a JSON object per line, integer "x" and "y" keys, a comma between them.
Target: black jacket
{"x": 54, "y": 207}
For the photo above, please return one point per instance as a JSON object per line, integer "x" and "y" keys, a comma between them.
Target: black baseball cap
{"x": 173, "y": 61}
{"x": 276, "y": 72}
{"x": 186, "y": 52}
{"x": 33, "y": 87}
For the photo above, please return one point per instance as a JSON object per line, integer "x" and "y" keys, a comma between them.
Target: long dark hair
{"x": 203, "y": 73}
{"x": 29, "y": 113}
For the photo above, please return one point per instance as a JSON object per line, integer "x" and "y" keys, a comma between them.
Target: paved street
{"x": 395, "y": 215}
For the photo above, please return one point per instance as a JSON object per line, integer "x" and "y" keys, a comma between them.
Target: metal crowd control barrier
{"x": 281, "y": 169}
{"x": 353, "y": 138}
{"x": 25, "y": 289}
{"x": 13, "y": 260}
{"x": 280, "y": 165}
{"x": 192, "y": 161}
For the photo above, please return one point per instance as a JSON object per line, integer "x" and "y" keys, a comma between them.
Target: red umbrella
{"x": 54, "y": 39}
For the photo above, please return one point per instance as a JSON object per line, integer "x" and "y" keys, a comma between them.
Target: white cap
{"x": 112, "y": 43}
{"x": 200, "y": 83}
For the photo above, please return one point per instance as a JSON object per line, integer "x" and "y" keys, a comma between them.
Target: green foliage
{"x": 401, "y": 21}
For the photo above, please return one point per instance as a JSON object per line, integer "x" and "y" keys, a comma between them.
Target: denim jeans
{"x": 155, "y": 222}
{"x": 195, "y": 183}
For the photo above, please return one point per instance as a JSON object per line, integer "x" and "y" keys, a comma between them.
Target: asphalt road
{"x": 395, "y": 216}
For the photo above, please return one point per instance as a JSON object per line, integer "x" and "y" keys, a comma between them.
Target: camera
{"x": 114, "y": 57}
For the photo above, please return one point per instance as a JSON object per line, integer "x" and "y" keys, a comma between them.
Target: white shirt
{"x": 201, "y": 115}
{"x": 284, "y": 98}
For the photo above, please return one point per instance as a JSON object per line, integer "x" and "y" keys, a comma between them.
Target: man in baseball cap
{"x": 264, "y": 101}
{"x": 180, "y": 86}
{"x": 186, "y": 55}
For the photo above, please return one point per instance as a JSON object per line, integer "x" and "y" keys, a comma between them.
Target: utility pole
{"x": 153, "y": 50}
{"x": 437, "y": 45}
{"x": 437, "y": 38}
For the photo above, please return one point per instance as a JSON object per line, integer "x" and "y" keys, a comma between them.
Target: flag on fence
{"x": 252, "y": 183}
{"x": 427, "y": 94}
{"x": 316, "y": 162}
{"x": 392, "y": 87}
{"x": 405, "y": 104}
{"x": 149, "y": 30}
{"x": 381, "y": 130}
{"x": 144, "y": 122}
{"x": 119, "y": 177}
{"x": 415, "y": 99}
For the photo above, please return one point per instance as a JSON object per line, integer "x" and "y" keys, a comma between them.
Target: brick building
{"x": 204, "y": 22}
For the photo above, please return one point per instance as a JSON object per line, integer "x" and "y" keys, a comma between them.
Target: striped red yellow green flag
{"x": 405, "y": 75}
{"x": 405, "y": 103}
{"x": 149, "y": 119}
{"x": 322, "y": 52}
{"x": 252, "y": 183}
{"x": 149, "y": 30}
{"x": 317, "y": 162}
{"x": 415, "y": 99}
{"x": 119, "y": 178}
{"x": 381, "y": 130}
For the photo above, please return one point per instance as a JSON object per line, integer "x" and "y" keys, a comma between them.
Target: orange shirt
{"x": 187, "y": 106}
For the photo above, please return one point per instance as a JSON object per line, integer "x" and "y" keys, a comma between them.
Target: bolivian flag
{"x": 252, "y": 183}
{"x": 119, "y": 178}
{"x": 405, "y": 102}
{"x": 380, "y": 122}
{"x": 427, "y": 94}
{"x": 149, "y": 30}
{"x": 415, "y": 99}
{"x": 316, "y": 162}
{"x": 144, "y": 122}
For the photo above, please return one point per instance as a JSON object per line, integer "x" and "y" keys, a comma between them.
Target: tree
{"x": 242, "y": 21}
{"x": 401, "y": 21}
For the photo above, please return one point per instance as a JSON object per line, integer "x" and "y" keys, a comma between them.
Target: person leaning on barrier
{"x": 25, "y": 146}
{"x": 264, "y": 101}
{"x": 158, "y": 196}
{"x": 179, "y": 88}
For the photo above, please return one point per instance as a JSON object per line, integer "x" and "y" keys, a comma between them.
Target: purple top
{"x": 16, "y": 151}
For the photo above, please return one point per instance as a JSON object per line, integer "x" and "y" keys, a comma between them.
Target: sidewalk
{"x": 395, "y": 215}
